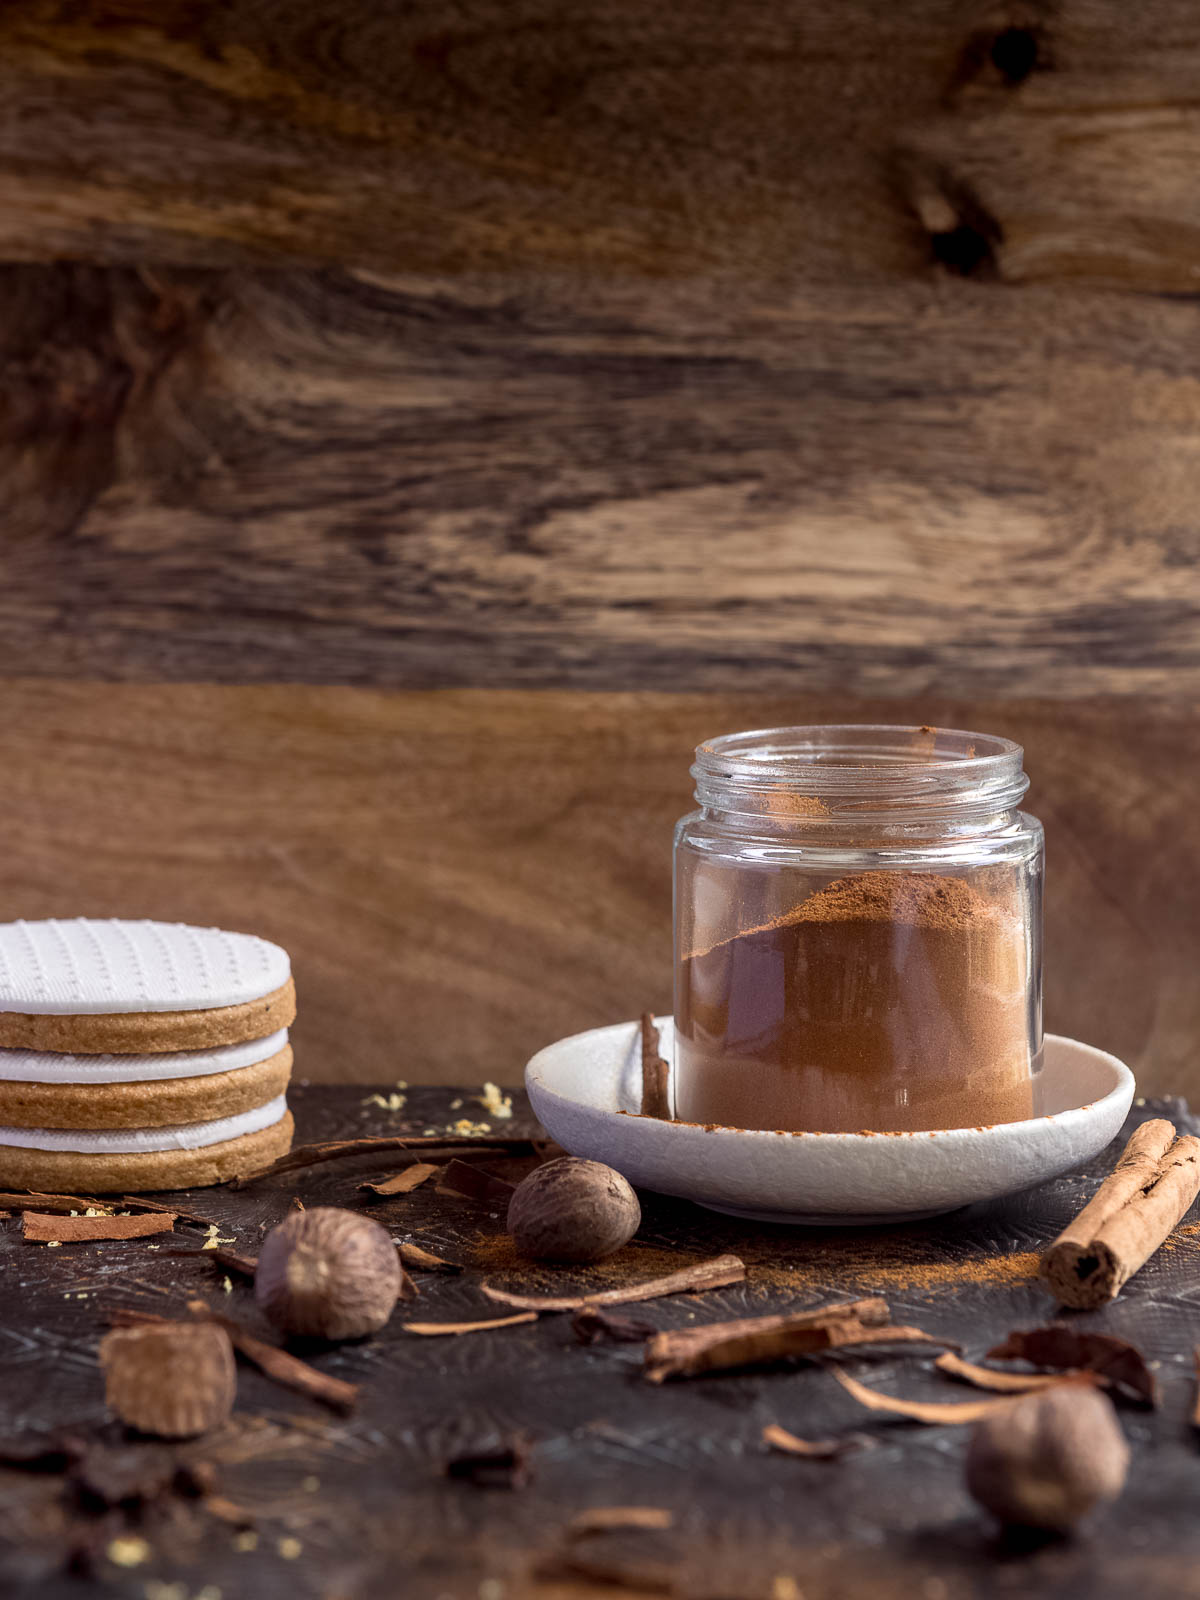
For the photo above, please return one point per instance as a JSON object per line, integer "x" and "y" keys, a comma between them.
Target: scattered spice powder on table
{"x": 867, "y": 1264}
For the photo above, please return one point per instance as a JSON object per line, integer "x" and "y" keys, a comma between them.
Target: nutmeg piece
{"x": 328, "y": 1273}
{"x": 573, "y": 1210}
{"x": 175, "y": 1380}
{"x": 1045, "y": 1460}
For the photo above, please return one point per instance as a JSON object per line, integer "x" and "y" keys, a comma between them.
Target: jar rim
{"x": 889, "y": 764}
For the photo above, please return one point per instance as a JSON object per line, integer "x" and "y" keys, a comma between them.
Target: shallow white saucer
{"x": 583, "y": 1087}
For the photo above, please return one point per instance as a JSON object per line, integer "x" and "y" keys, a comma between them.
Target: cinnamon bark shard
{"x": 33, "y": 1201}
{"x": 1132, "y": 1212}
{"x": 425, "y": 1144}
{"x": 604, "y": 1519}
{"x": 472, "y": 1183}
{"x": 403, "y": 1182}
{"x": 938, "y": 1411}
{"x": 1115, "y": 1362}
{"x": 997, "y": 1382}
{"x": 41, "y": 1229}
{"x": 507, "y": 1464}
{"x": 752, "y": 1341}
{"x": 714, "y": 1274}
{"x": 656, "y": 1095}
{"x": 411, "y": 1255}
{"x": 790, "y": 1444}
{"x": 431, "y": 1330}
{"x": 591, "y": 1324}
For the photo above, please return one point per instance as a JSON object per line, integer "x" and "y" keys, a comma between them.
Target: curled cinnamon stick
{"x": 1132, "y": 1212}
{"x": 656, "y": 1101}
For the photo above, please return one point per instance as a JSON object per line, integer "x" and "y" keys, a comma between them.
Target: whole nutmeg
{"x": 328, "y": 1273}
{"x": 176, "y": 1380}
{"x": 573, "y": 1210}
{"x": 1047, "y": 1458}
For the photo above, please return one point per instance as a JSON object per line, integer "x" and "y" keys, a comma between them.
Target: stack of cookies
{"x": 140, "y": 1055}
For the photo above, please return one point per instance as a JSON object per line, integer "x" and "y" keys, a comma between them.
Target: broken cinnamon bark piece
{"x": 1119, "y": 1364}
{"x": 656, "y": 1096}
{"x": 40, "y": 1229}
{"x": 939, "y": 1411}
{"x": 755, "y": 1341}
{"x": 789, "y": 1444}
{"x": 714, "y": 1274}
{"x": 591, "y": 1324}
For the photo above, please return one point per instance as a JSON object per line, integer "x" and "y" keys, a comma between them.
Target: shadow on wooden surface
{"x": 462, "y": 877}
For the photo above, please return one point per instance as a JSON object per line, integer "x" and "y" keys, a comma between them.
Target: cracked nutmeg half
{"x": 175, "y": 1380}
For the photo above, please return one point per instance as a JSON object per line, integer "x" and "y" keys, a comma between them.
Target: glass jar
{"x": 858, "y": 916}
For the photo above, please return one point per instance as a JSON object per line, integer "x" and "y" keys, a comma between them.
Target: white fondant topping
{"x": 35, "y": 1066}
{"x": 131, "y": 1141}
{"x": 88, "y": 967}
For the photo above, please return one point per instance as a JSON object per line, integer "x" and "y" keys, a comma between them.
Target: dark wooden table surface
{"x": 312, "y": 1503}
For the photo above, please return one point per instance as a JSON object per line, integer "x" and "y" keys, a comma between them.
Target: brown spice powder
{"x": 869, "y": 1263}
{"x": 891, "y": 1001}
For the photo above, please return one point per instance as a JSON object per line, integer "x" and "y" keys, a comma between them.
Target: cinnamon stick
{"x": 656, "y": 1100}
{"x": 1132, "y": 1212}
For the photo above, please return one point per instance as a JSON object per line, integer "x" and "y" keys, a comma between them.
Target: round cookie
{"x": 146, "y": 1104}
{"x": 92, "y": 986}
{"x": 144, "y": 1171}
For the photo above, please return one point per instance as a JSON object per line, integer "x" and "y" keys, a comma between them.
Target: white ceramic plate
{"x": 581, "y": 1089}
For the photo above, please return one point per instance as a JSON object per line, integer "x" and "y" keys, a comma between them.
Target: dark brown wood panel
{"x": 1038, "y": 140}
{"x": 950, "y": 489}
{"x": 617, "y": 136}
{"x": 462, "y": 877}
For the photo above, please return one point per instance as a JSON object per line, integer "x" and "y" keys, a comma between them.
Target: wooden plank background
{"x": 419, "y": 426}
{"x": 463, "y": 876}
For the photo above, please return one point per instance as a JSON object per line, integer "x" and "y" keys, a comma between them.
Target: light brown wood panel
{"x": 944, "y": 489}
{"x": 462, "y": 877}
{"x": 857, "y": 140}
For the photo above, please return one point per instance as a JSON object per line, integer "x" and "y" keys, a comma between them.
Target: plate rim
{"x": 1125, "y": 1084}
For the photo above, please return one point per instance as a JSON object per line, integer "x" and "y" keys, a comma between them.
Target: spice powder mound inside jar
{"x": 889, "y": 1001}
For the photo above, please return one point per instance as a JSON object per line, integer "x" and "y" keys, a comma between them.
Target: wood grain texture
{"x": 462, "y": 877}
{"x": 616, "y": 136}
{"x": 1033, "y": 138}
{"x": 1065, "y": 147}
{"x": 323, "y": 477}
{"x": 372, "y": 1512}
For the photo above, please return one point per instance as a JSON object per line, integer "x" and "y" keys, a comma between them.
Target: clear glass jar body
{"x": 858, "y": 915}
